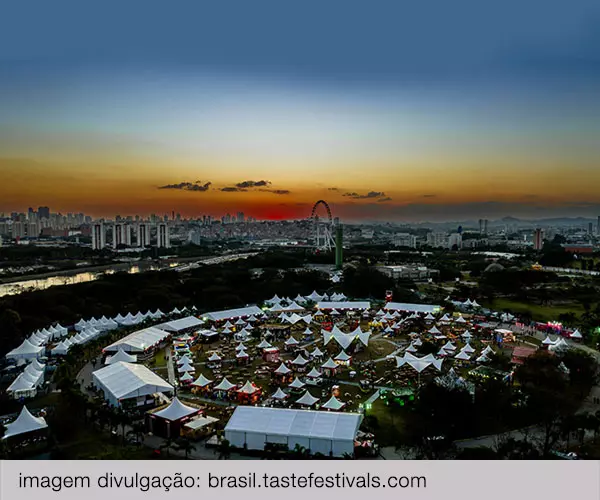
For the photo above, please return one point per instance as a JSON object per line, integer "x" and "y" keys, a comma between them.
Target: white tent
{"x": 175, "y": 411}
{"x": 121, "y": 356}
{"x": 224, "y": 385}
{"x": 576, "y": 335}
{"x": 333, "y": 404}
{"x": 330, "y": 364}
{"x": 324, "y": 432}
{"x": 297, "y": 384}
{"x": 184, "y": 359}
{"x": 317, "y": 353}
{"x": 121, "y": 381}
{"x": 186, "y": 367}
{"x": 282, "y": 370}
{"x": 468, "y": 349}
{"x": 307, "y": 399}
{"x": 139, "y": 341}
{"x": 279, "y": 394}
{"x": 463, "y": 355}
{"x": 314, "y": 373}
{"x": 300, "y": 360}
{"x": 449, "y": 346}
{"x": 433, "y": 330}
{"x": 186, "y": 377}
{"x": 264, "y": 345}
{"x": 202, "y": 381}
{"x": 248, "y": 388}
{"x": 291, "y": 341}
{"x": 342, "y": 356}
{"x": 214, "y": 357}
{"x": 61, "y": 349}
{"x": 24, "y": 423}
{"x": 488, "y": 350}
{"x": 25, "y": 351}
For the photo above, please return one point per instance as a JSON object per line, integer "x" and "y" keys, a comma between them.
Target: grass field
{"x": 538, "y": 312}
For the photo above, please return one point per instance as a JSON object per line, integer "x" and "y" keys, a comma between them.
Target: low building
{"x": 329, "y": 433}
{"x": 408, "y": 272}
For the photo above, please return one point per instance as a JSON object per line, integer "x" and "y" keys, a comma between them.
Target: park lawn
{"x": 538, "y": 312}
{"x": 159, "y": 359}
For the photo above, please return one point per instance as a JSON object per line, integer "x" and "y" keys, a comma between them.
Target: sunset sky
{"x": 428, "y": 111}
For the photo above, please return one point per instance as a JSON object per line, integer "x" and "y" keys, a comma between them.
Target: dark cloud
{"x": 275, "y": 191}
{"x": 188, "y": 186}
{"x": 368, "y": 196}
{"x": 333, "y": 189}
{"x": 382, "y": 200}
{"x": 251, "y": 184}
{"x": 232, "y": 189}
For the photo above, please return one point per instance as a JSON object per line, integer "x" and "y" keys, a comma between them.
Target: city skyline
{"x": 445, "y": 130}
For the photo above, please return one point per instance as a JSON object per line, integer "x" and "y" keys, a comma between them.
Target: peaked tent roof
{"x": 175, "y": 411}
{"x": 307, "y": 399}
{"x": 24, "y": 423}
{"x": 202, "y": 381}
{"x": 329, "y": 364}
{"x": 224, "y": 385}
{"x": 121, "y": 356}
{"x": 279, "y": 394}
{"x": 248, "y": 388}
{"x": 333, "y": 404}
{"x": 297, "y": 384}
{"x": 282, "y": 370}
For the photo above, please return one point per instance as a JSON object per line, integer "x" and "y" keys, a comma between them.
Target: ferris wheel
{"x": 322, "y": 228}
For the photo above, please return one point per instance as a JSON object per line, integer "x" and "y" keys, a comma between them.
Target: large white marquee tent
{"x": 139, "y": 341}
{"x": 317, "y": 431}
{"x": 122, "y": 380}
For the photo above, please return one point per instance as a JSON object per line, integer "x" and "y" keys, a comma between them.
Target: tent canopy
{"x": 176, "y": 411}
{"x": 24, "y": 423}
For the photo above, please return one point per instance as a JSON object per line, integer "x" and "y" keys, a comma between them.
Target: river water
{"x": 43, "y": 283}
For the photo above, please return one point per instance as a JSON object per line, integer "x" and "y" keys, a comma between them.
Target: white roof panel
{"x": 344, "y": 305}
{"x": 124, "y": 379}
{"x": 139, "y": 341}
{"x": 233, "y": 313}
{"x": 297, "y": 423}
{"x": 421, "y": 308}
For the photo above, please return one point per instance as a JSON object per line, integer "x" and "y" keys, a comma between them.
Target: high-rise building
{"x": 121, "y": 235}
{"x": 33, "y": 229}
{"x": 162, "y": 235}
{"x": 591, "y": 228}
{"x": 98, "y": 236}
{"x": 598, "y": 226}
{"x": 538, "y": 239}
{"x": 194, "y": 237}
{"x": 455, "y": 239}
{"x": 437, "y": 240}
{"x": 240, "y": 216}
{"x": 43, "y": 212}
{"x": 18, "y": 229}
{"x": 143, "y": 235}
{"x": 404, "y": 240}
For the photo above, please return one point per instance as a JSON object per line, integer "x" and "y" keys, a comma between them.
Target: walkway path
{"x": 170, "y": 367}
